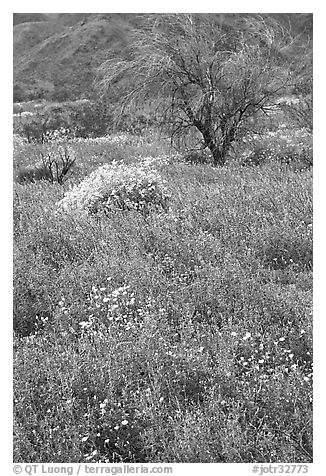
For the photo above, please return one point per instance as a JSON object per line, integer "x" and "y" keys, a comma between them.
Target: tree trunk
{"x": 219, "y": 149}
{"x": 219, "y": 158}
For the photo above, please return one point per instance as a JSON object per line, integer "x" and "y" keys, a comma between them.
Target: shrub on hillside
{"x": 119, "y": 186}
{"x": 82, "y": 118}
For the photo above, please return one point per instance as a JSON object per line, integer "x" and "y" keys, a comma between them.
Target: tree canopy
{"x": 205, "y": 72}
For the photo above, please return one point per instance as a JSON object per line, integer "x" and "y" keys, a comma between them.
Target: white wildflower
{"x": 247, "y": 336}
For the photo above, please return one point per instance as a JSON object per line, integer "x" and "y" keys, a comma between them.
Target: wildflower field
{"x": 163, "y": 309}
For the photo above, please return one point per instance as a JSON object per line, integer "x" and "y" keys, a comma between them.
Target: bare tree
{"x": 206, "y": 72}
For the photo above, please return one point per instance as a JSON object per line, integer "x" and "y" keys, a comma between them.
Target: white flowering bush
{"x": 58, "y": 136}
{"x": 119, "y": 186}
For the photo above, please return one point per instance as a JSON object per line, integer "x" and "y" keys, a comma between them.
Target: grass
{"x": 179, "y": 336}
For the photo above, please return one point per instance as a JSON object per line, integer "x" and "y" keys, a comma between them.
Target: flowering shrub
{"x": 119, "y": 186}
{"x": 60, "y": 135}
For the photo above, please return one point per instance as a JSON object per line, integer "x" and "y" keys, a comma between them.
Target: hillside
{"x": 56, "y": 55}
{"x": 58, "y": 58}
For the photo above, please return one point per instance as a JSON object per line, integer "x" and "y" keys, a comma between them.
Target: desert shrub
{"x": 58, "y": 136}
{"x": 283, "y": 145}
{"x": 118, "y": 186}
{"x": 89, "y": 119}
{"x": 54, "y": 165}
{"x": 32, "y": 126}
{"x": 39, "y": 125}
{"x": 81, "y": 118}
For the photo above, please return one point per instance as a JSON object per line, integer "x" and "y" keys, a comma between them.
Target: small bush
{"x": 119, "y": 186}
{"x": 53, "y": 166}
{"x": 34, "y": 126}
{"x": 89, "y": 119}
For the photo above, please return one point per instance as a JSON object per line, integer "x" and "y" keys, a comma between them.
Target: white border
{"x": 319, "y": 194}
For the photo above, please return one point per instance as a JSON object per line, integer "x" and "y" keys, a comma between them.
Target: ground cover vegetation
{"x": 162, "y": 302}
